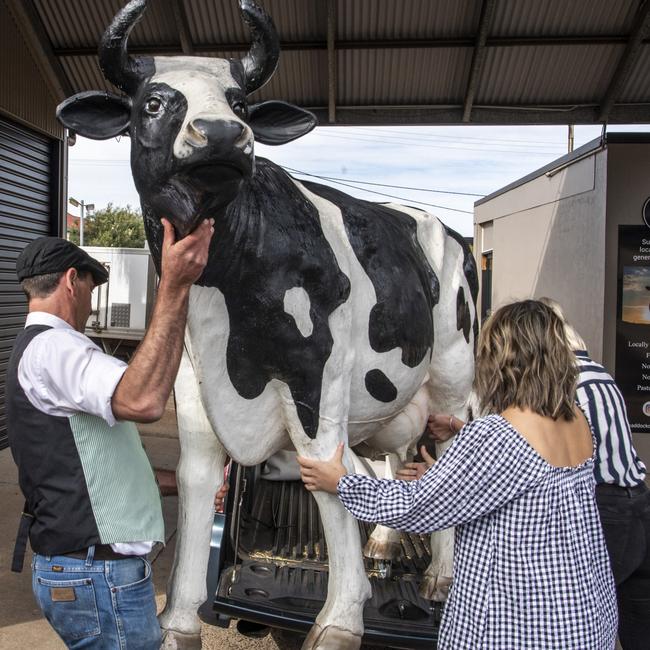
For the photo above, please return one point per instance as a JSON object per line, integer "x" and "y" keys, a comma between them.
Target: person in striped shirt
{"x": 621, "y": 493}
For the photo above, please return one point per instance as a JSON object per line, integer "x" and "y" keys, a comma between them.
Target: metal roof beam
{"x": 331, "y": 60}
{"x": 478, "y": 57}
{"x": 34, "y": 33}
{"x": 298, "y": 46}
{"x": 627, "y": 61}
{"x": 502, "y": 115}
{"x": 177, "y": 11}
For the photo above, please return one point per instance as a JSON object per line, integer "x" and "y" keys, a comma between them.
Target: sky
{"x": 451, "y": 166}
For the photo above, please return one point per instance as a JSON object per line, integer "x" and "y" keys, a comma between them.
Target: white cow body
{"x": 214, "y": 420}
{"x": 319, "y": 318}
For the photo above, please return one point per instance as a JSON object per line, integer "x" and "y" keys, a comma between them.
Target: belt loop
{"x": 629, "y": 491}
{"x": 91, "y": 555}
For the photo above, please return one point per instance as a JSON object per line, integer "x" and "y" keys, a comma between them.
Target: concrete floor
{"x": 22, "y": 627}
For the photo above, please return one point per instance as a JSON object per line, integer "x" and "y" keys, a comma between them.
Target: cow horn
{"x": 114, "y": 60}
{"x": 262, "y": 59}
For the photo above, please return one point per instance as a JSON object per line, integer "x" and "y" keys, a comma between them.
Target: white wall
{"x": 548, "y": 238}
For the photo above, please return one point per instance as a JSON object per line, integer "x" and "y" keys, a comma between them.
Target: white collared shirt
{"x": 62, "y": 372}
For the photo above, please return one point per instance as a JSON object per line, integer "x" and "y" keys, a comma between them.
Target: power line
{"x": 418, "y": 143}
{"x": 397, "y": 187}
{"x": 399, "y": 198}
{"x": 462, "y": 138}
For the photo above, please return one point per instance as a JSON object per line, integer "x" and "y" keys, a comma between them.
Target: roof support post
{"x": 627, "y": 61}
{"x": 331, "y": 60}
{"x": 478, "y": 57}
{"x": 180, "y": 21}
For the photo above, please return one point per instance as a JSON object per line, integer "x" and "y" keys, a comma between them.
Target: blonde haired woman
{"x": 531, "y": 569}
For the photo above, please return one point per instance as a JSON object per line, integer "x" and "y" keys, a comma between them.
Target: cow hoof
{"x": 436, "y": 589}
{"x": 331, "y": 638}
{"x": 381, "y": 550}
{"x": 173, "y": 640}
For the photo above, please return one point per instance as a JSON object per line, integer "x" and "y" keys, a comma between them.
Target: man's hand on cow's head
{"x": 323, "y": 475}
{"x": 183, "y": 261}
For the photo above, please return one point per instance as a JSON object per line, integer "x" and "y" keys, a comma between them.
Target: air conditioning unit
{"x": 122, "y": 306}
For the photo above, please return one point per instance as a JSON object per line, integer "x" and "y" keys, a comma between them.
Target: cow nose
{"x": 201, "y": 132}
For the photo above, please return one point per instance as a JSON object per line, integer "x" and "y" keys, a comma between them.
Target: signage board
{"x": 633, "y": 324}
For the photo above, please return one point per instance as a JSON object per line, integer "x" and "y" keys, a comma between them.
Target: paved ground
{"x": 22, "y": 626}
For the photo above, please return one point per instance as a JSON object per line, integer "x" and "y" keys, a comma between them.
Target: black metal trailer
{"x": 268, "y": 566}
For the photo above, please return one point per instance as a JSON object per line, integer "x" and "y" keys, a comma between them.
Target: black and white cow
{"x": 319, "y": 317}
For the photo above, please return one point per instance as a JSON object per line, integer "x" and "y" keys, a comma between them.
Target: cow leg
{"x": 384, "y": 543}
{"x": 437, "y": 578}
{"x": 339, "y": 625}
{"x": 400, "y": 436}
{"x": 199, "y": 476}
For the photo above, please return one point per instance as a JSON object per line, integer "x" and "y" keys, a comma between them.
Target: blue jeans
{"x": 98, "y": 604}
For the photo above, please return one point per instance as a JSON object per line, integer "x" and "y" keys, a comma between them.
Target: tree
{"x": 113, "y": 226}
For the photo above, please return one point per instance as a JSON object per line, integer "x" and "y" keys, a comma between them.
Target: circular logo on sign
{"x": 646, "y": 409}
{"x": 646, "y": 212}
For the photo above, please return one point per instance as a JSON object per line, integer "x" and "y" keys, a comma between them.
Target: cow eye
{"x": 153, "y": 106}
{"x": 239, "y": 109}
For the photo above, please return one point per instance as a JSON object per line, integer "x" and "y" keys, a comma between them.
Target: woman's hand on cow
{"x": 183, "y": 261}
{"x": 415, "y": 471}
{"x": 443, "y": 426}
{"x": 323, "y": 475}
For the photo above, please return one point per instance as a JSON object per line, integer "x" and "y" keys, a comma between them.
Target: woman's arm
{"x": 487, "y": 465}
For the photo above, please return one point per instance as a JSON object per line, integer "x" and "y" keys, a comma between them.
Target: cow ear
{"x": 96, "y": 115}
{"x": 278, "y": 122}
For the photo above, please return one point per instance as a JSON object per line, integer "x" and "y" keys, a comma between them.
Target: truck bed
{"x": 280, "y": 575}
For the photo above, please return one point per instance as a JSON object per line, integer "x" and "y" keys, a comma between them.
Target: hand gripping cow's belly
{"x": 332, "y": 292}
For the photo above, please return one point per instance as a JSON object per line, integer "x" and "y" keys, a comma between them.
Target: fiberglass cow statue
{"x": 314, "y": 320}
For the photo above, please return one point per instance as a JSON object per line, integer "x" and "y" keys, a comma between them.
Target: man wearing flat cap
{"x": 92, "y": 506}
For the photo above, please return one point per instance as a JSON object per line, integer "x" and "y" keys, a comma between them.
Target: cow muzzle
{"x": 220, "y": 136}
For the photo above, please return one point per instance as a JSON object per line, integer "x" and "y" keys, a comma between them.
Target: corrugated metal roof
{"x": 403, "y": 76}
{"x": 637, "y": 89}
{"x": 567, "y": 74}
{"x": 542, "y": 62}
{"x": 563, "y": 17}
{"x": 220, "y": 21}
{"x": 406, "y": 19}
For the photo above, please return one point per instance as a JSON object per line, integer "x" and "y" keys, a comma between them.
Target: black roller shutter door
{"x": 28, "y": 183}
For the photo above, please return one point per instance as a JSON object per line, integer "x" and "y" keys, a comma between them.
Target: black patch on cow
{"x": 471, "y": 274}
{"x": 270, "y": 240}
{"x": 385, "y": 243}
{"x": 463, "y": 317}
{"x": 379, "y": 386}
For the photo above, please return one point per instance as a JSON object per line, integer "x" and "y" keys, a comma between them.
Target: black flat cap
{"x": 54, "y": 255}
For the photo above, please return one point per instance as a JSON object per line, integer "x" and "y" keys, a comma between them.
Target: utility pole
{"x": 570, "y": 138}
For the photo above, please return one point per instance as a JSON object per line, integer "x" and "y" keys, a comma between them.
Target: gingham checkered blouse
{"x": 531, "y": 569}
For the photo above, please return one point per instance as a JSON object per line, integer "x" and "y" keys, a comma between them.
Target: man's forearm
{"x": 146, "y": 384}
